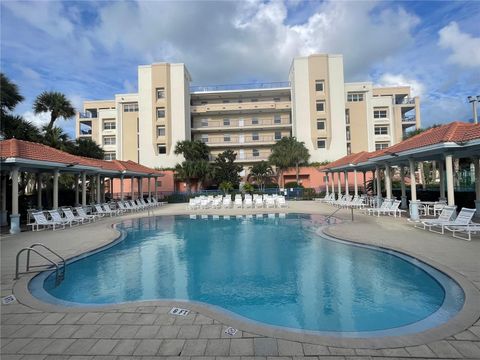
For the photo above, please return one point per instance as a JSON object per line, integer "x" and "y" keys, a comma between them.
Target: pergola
{"x": 441, "y": 144}
{"x": 23, "y": 156}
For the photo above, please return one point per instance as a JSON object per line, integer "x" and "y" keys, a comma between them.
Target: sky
{"x": 91, "y": 49}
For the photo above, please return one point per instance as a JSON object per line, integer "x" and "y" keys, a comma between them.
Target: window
{"x": 109, "y": 156}
{"x": 109, "y": 140}
{"x": 160, "y": 93}
{"x": 321, "y": 124}
{"x": 354, "y": 97}
{"x": 277, "y": 119}
{"x": 347, "y": 116}
{"x": 204, "y": 138}
{"x": 255, "y": 152}
{"x": 109, "y": 125}
{"x": 226, "y": 138}
{"x": 381, "y": 130}
{"x": 380, "y": 114}
{"x": 162, "y": 149}
{"x": 319, "y": 85}
{"x": 160, "y": 113}
{"x": 160, "y": 130}
{"x": 321, "y": 143}
{"x": 91, "y": 112}
{"x": 254, "y": 121}
{"x": 226, "y": 122}
{"x": 131, "y": 107}
{"x": 381, "y": 145}
{"x": 320, "y": 105}
{"x": 278, "y": 135}
{"x": 348, "y": 133}
{"x": 204, "y": 122}
{"x": 255, "y": 136}
{"x": 349, "y": 148}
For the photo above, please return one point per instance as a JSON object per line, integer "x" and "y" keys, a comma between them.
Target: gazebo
{"x": 23, "y": 156}
{"x": 441, "y": 144}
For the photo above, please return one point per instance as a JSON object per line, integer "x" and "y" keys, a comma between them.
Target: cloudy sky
{"x": 91, "y": 50}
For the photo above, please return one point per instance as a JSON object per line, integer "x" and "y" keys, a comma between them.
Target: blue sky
{"x": 91, "y": 50}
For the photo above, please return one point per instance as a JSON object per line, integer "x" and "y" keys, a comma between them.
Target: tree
{"x": 226, "y": 187}
{"x": 54, "y": 102}
{"x": 225, "y": 169}
{"x": 186, "y": 172}
{"x": 9, "y": 95}
{"x": 288, "y": 153}
{"x": 14, "y": 126}
{"x": 56, "y": 138}
{"x": 261, "y": 173}
{"x": 192, "y": 150}
{"x": 88, "y": 148}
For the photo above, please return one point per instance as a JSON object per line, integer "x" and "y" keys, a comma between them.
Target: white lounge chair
{"x": 468, "y": 230}
{"x": 100, "y": 211}
{"x": 81, "y": 212}
{"x": 270, "y": 202}
{"x": 110, "y": 211}
{"x": 238, "y": 203}
{"x": 447, "y": 214}
{"x": 463, "y": 218}
{"x": 281, "y": 202}
{"x": 259, "y": 202}
{"x": 122, "y": 207}
{"x": 58, "y": 218}
{"x": 377, "y": 210}
{"x": 394, "y": 209}
{"x": 70, "y": 216}
{"x": 227, "y": 202}
{"x": 248, "y": 203}
{"x": 41, "y": 220}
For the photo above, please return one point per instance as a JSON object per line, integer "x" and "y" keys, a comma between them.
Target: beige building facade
{"x": 331, "y": 117}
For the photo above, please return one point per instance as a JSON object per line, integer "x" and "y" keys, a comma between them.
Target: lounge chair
{"x": 238, "y": 203}
{"x": 382, "y": 209}
{"x": 259, "y": 202}
{"x": 100, "y": 211}
{"x": 270, "y": 202}
{"x": 395, "y": 209}
{"x": 227, "y": 202}
{"x": 81, "y": 212}
{"x": 447, "y": 214}
{"x": 58, "y": 218}
{"x": 122, "y": 207}
{"x": 248, "y": 203}
{"x": 463, "y": 218}
{"x": 70, "y": 216}
{"x": 41, "y": 220}
{"x": 469, "y": 229}
{"x": 108, "y": 210}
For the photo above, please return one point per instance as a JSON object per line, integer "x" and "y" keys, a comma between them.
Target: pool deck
{"x": 31, "y": 329}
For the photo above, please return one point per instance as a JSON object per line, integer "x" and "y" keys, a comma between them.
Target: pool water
{"x": 276, "y": 271}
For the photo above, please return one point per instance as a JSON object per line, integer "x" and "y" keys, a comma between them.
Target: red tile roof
{"x": 14, "y": 148}
{"x": 457, "y": 132}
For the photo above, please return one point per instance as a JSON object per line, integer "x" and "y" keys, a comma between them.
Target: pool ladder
{"x": 58, "y": 263}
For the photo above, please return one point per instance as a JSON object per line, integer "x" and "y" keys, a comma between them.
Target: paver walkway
{"x": 146, "y": 331}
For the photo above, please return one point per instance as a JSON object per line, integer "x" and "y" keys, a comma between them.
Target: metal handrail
{"x": 59, "y": 276}
{"x": 327, "y": 219}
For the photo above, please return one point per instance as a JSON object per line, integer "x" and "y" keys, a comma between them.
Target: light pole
{"x": 474, "y": 101}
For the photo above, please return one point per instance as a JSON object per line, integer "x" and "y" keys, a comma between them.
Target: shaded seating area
{"x": 441, "y": 144}
{"x": 47, "y": 164}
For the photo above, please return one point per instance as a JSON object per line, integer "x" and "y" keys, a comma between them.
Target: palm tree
{"x": 287, "y": 153}
{"x": 186, "y": 171}
{"x": 55, "y": 102}
{"x": 14, "y": 126}
{"x": 88, "y": 148}
{"x": 56, "y": 138}
{"x": 9, "y": 95}
{"x": 261, "y": 173}
{"x": 192, "y": 150}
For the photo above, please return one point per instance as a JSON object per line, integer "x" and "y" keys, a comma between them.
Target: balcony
{"x": 86, "y": 115}
{"x": 237, "y": 124}
{"x": 236, "y": 107}
{"x": 250, "y": 86}
{"x": 219, "y": 141}
{"x": 405, "y": 101}
{"x": 262, "y": 156}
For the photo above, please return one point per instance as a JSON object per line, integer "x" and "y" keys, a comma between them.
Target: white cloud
{"x": 38, "y": 120}
{"x": 465, "y": 49}
{"x": 388, "y": 79}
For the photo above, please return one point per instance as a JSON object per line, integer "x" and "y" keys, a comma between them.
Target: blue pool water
{"x": 275, "y": 271}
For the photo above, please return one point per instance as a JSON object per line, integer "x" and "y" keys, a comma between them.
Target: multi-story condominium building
{"x": 316, "y": 106}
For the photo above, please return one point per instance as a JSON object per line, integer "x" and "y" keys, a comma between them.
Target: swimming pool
{"x": 276, "y": 271}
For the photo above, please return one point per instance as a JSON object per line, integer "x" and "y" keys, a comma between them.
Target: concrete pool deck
{"x": 32, "y": 329}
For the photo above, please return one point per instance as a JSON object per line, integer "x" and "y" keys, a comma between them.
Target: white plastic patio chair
{"x": 468, "y": 230}
{"x": 238, "y": 202}
{"x": 386, "y": 204}
{"x": 41, "y": 220}
{"x": 227, "y": 202}
{"x": 463, "y": 218}
{"x": 281, "y": 202}
{"x": 70, "y": 216}
{"x": 58, "y": 218}
{"x": 100, "y": 211}
{"x": 259, "y": 202}
{"x": 81, "y": 212}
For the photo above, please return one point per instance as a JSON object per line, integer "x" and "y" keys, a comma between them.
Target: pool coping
{"x": 465, "y": 318}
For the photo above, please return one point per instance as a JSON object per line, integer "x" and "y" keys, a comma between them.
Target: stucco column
{"x": 388, "y": 181}
{"x": 102, "y": 188}
{"x": 355, "y": 185}
{"x": 84, "y": 188}
{"x": 441, "y": 171}
{"x": 140, "y": 187}
{"x": 121, "y": 188}
{"x": 449, "y": 174}
{"x": 156, "y": 188}
{"x": 56, "y": 173}
{"x": 14, "y": 216}
{"x": 77, "y": 179}
{"x": 149, "y": 187}
{"x": 364, "y": 182}
{"x": 333, "y": 184}
{"x": 132, "y": 188}
{"x": 39, "y": 191}
{"x": 476, "y": 162}
{"x": 98, "y": 191}
{"x": 413, "y": 190}
{"x": 3, "y": 218}
{"x": 345, "y": 178}
{"x": 379, "y": 184}
{"x": 404, "y": 190}
{"x": 326, "y": 183}
{"x": 339, "y": 184}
